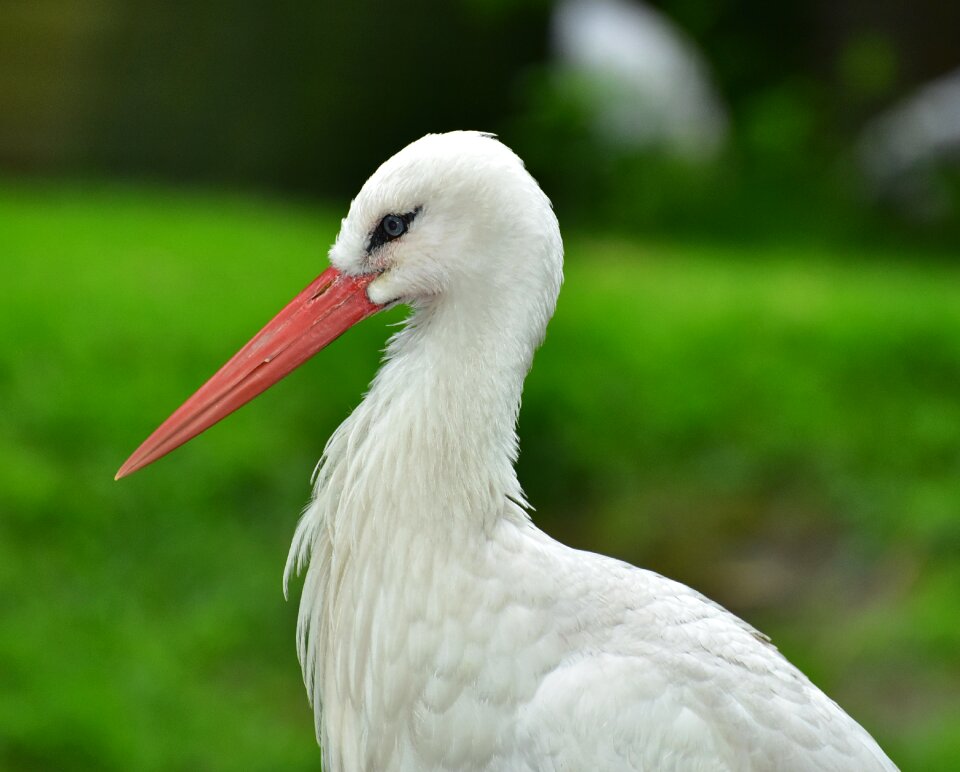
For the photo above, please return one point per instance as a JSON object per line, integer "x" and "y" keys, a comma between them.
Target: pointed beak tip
{"x": 125, "y": 470}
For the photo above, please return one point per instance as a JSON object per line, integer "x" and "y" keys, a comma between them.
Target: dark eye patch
{"x": 391, "y": 227}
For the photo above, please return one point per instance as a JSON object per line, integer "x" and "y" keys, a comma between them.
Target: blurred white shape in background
{"x": 646, "y": 83}
{"x": 901, "y": 148}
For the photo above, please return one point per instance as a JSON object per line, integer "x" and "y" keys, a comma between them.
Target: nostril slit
{"x": 321, "y": 291}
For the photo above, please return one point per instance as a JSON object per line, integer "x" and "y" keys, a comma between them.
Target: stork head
{"x": 450, "y": 214}
{"x": 452, "y": 219}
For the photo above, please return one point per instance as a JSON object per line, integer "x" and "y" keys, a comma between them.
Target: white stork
{"x": 439, "y": 629}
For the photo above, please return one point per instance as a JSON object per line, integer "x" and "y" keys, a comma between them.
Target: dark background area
{"x": 299, "y": 96}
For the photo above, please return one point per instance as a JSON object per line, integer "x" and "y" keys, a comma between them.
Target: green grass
{"x": 776, "y": 427}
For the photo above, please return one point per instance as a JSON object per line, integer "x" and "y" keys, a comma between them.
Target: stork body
{"x": 439, "y": 628}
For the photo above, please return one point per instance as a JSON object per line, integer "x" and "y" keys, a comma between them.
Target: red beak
{"x": 328, "y": 307}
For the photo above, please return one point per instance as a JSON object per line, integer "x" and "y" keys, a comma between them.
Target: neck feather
{"x": 425, "y": 462}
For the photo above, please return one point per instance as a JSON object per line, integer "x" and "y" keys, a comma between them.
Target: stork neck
{"x": 441, "y": 414}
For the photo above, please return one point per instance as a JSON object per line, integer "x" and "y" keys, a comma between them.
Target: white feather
{"x": 439, "y": 629}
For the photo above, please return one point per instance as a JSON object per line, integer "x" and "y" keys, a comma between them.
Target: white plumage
{"x": 439, "y": 628}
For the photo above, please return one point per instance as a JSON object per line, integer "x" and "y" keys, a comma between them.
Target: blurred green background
{"x": 751, "y": 382}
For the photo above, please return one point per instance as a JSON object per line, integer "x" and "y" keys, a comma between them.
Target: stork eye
{"x": 393, "y": 226}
